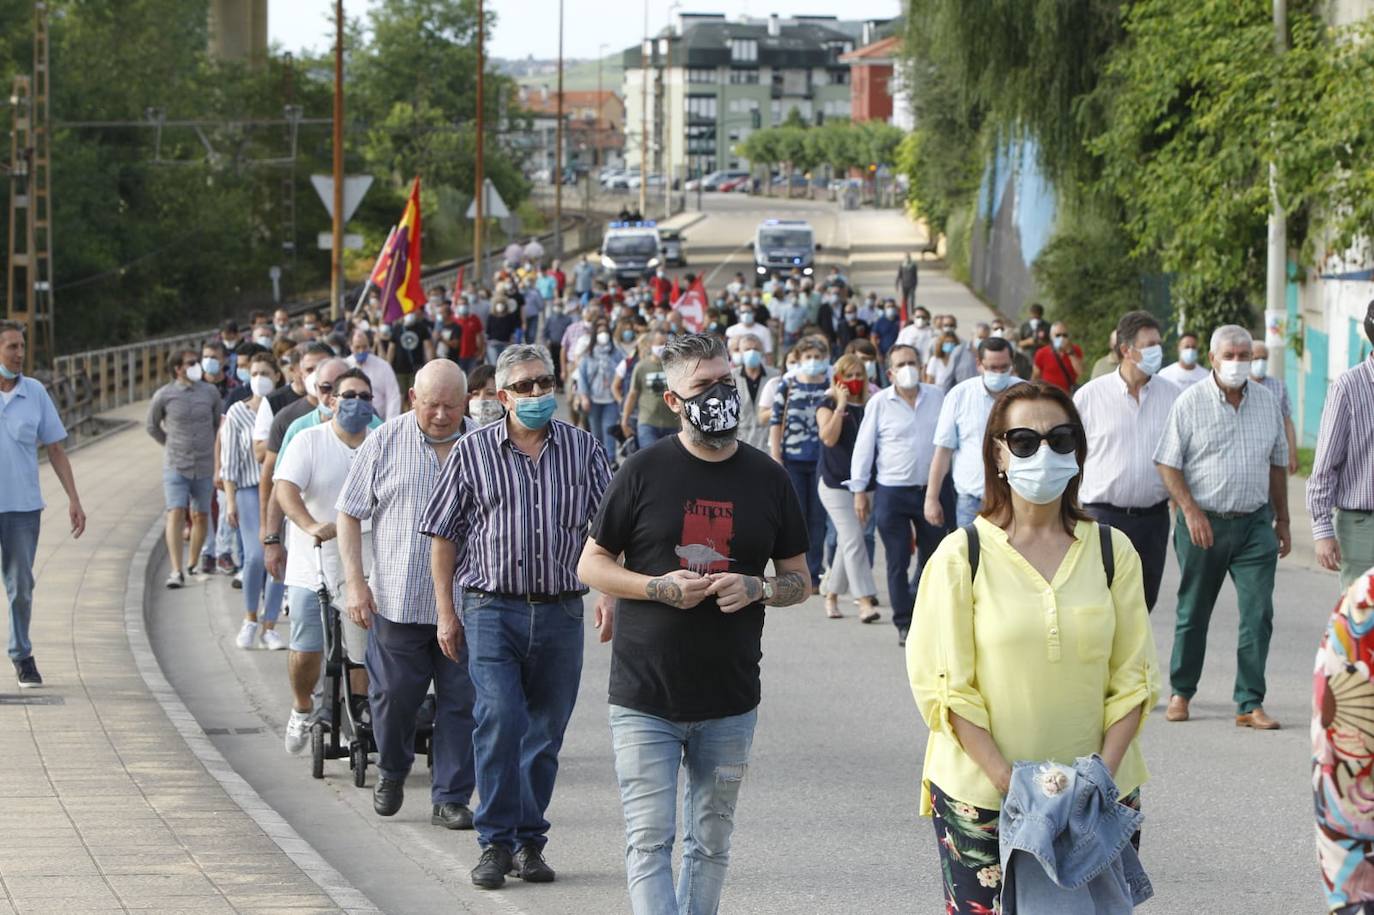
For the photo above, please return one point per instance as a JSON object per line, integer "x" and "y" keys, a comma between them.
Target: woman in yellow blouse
{"x": 1033, "y": 658}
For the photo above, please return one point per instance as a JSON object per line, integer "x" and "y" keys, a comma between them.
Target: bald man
{"x": 395, "y": 472}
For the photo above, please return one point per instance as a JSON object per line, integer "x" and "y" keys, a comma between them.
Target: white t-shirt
{"x": 760, "y": 333}
{"x": 318, "y": 463}
{"x": 262, "y": 423}
{"x": 1183, "y": 377}
{"x": 7, "y": 396}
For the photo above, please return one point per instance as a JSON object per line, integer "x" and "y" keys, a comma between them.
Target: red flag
{"x": 676, "y": 292}
{"x": 458, "y": 283}
{"x": 692, "y": 306}
{"x": 379, "y": 270}
{"x": 402, "y": 293}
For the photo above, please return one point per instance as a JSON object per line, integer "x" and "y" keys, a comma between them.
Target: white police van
{"x": 629, "y": 250}
{"x": 780, "y": 245}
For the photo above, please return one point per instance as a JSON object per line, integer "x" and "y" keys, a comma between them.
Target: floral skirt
{"x": 970, "y": 859}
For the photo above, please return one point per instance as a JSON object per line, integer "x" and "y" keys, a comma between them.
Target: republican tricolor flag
{"x": 399, "y": 265}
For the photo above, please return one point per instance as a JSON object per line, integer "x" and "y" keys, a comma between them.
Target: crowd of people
{"x": 460, "y": 526}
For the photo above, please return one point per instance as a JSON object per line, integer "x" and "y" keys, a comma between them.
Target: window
{"x": 794, "y": 82}
{"x": 701, "y": 75}
{"x": 744, "y": 50}
{"x": 744, "y": 77}
{"x": 836, "y": 108}
{"x": 742, "y": 105}
{"x": 701, "y": 106}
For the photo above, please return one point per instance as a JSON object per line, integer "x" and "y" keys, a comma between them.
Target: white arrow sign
{"x": 355, "y": 186}
{"x": 493, "y": 207}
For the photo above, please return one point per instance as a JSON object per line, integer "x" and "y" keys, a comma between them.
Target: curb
{"x": 347, "y": 897}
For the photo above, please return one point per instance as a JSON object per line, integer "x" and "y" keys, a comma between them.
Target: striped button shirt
{"x": 237, "y": 464}
{"x": 393, "y": 475}
{"x": 519, "y": 524}
{"x": 1343, "y": 473}
{"x": 1225, "y": 453}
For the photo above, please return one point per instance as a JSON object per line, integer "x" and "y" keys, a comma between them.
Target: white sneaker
{"x": 176, "y": 580}
{"x": 298, "y": 731}
{"x": 247, "y": 635}
{"x": 271, "y": 641}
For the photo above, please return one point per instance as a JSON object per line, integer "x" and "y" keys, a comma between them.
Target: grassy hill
{"x": 581, "y": 77}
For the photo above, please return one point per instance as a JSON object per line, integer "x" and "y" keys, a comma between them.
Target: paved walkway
{"x": 106, "y": 805}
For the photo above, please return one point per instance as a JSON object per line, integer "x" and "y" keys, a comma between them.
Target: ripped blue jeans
{"x": 648, "y": 753}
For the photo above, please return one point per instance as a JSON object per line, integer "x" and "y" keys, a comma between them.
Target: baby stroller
{"x": 346, "y": 728}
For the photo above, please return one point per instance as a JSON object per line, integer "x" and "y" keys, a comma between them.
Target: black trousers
{"x": 1148, "y": 530}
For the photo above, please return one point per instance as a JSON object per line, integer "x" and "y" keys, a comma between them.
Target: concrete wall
{"x": 1015, "y": 219}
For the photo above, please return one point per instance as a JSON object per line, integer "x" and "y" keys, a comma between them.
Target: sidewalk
{"x": 106, "y": 805}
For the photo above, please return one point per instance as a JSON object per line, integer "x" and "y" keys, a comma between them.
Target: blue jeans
{"x": 805, "y": 476}
{"x": 898, "y": 510}
{"x": 18, "y": 546}
{"x": 525, "y": 661}
{"x": 181, "y": 491}
{"x": 648, "y": 753}
{"x": 226, "y": 541}
{"x": 646, "y": 435}
{"x": 966, "y": 508}
{"x": 254, "y": 570}
{"x": 402, "y": 660}
{"x": 603, "y": 418}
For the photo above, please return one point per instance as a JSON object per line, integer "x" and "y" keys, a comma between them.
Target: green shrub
{"x": 1089, "y": 280}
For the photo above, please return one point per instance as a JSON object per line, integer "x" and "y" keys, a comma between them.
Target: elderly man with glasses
{"x": 509, "y": 518}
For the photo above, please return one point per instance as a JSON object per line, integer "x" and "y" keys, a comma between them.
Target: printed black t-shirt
{"x": 667, "y": 510}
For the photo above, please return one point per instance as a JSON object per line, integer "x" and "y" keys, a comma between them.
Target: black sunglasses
{"x": 356, "y": 395}
{"x": 527, "y": 385}
{"x": 1024, "y": 442}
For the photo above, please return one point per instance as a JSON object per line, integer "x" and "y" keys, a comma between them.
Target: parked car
{"x": 740, "y": 184}
{"x": 622, "y": 181}
{"x": 716, "y": 180}
{"x": 633, "y": 182}
{"x": 671, "y": 243}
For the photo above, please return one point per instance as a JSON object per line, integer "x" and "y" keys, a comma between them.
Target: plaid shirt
{"x": 391, "y": 479}
{"x": 1225, "y": 453}
{"x": 519, "y": 524}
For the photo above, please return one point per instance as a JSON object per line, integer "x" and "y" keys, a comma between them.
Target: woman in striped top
{"x": 239, "y": 470}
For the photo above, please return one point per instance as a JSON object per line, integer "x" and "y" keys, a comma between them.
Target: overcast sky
{"x": 530, "y": 27}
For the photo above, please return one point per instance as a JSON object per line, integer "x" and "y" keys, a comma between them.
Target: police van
{"x": 781, "y": 245}
{"x": 629, "y": 250}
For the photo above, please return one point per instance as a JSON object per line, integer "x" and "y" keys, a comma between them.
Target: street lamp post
{"x": 558, "y": 148}
{"x": 479, "y": 201}
{"x": 600, "y": 106}
{"x": 336, "y": 251}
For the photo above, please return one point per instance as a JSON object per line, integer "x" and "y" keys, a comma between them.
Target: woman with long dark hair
{"x": 1036, "y": 647}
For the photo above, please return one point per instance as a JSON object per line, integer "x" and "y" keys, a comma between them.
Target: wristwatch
{"x": 272, "y": 540}
{"x": 767, "y": 589}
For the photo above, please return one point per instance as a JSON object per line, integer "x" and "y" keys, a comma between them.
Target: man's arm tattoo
{"x": 753, "y": 588}
{"x": 789, "y": 588}
{"x": 664, "y": 590}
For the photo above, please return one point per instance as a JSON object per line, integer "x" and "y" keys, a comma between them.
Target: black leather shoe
{"x": 451, "y": 816}
{"x": 901, "y": 636}
{"x": 388, "y": 796}
{"x": 529, "y": 865}
{"x": 492, "y": 867}
{"x": 26, "y": 672}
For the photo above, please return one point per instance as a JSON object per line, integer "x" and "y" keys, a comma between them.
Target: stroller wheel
{"x": 358, "y": 761}
{"x": 317, "y": 751}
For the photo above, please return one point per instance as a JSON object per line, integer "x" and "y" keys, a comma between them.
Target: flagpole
{"x": 362, "y": 296}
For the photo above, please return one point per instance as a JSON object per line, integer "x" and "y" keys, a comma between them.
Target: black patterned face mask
{"x": 713, "y": 412}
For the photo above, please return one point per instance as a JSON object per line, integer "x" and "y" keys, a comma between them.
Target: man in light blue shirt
{"x": 959, "y": 433}
{"x": 28, "y": 419}
{"x": 898, "y": 436}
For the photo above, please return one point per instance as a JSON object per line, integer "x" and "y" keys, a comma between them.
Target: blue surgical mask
{"x": 7, "y": 374}
{"x": 210, "y": 365}
{"x": 627, "y": 336}
{"x": 753, "y": 359}
{"x": 1151, "y": 359}
{"x": 354, "y": 414}
{"x": 535, "y": 412}
{"x": 814, "y": 366}
{"x": 947, "y": 347}
{"x": 746, "y": 318}
{"x": 1188, "y": 356}
{"x": 361, "y": 357}
{"x": 872, "y": 369}
{"x": 997, "y": 382}
{"x": 243, "y": 374}
{"x": 1042, "y": 477}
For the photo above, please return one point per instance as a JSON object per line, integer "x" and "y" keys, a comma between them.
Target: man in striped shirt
{"x": 1343, "y": 472}
{"x": 396, "y": 470}
{"x": 509, "y": 518}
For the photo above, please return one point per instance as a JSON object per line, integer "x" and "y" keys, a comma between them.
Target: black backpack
{"x": 1104, "y": 531}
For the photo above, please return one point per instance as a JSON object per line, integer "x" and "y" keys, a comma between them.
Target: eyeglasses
{"x": 1024, "y": 442}
{"x": 527, "y": 385}
{"x": 324, "y": 387}
{"x": 356, "y": 395}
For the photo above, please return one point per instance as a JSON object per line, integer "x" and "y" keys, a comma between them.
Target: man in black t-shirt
{"x": 697, "y": 518}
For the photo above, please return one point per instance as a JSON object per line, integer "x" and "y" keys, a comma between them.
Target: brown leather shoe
{"x": 1177, "y": 710}
{"x": 1257, "y": 719}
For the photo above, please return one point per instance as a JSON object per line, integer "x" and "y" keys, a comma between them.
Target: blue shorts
{"x": 180, "y": 491}
{"x": 307, "y": 626}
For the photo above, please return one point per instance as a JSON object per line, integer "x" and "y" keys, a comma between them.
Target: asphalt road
{"x": 827, "y": 821}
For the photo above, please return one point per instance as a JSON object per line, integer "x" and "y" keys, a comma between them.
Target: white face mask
{"x": 1188, "y": 356}
{"x": 1042, "y": 477}
{"x": 193, "y": 373}
{"x": 262, "y": 385}
{"x": 603, "y": 338}
{"x": 485, "y": 412}
{"x": 1259, "y": 368}
{"x": 1151, "y": 359}
{"x": 310, "y": 388}
{"x": 1233, "y": 372}
{"x": 907, "y": 377}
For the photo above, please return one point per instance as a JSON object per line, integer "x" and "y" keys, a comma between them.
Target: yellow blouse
{"x": 1045, "y": 667}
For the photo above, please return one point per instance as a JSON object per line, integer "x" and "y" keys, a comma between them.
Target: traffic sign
{"x": 355, "y": 186}
{"x": 493, "y": 207}
{"x": 351, "y": 242}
